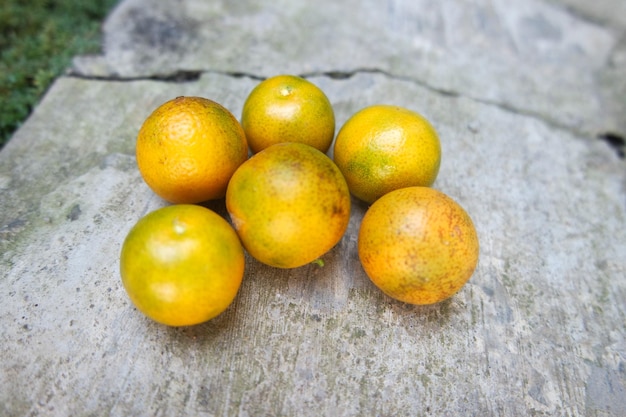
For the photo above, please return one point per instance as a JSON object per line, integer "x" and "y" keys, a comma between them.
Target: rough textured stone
{"x": 607, "y": 12}
{"x": 534, "y": 57}
{"x": 540, "y": 328}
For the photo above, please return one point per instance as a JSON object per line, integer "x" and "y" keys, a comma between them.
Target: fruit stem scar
{"x": 319, "y": 262}
{"x": 285, "y": 91}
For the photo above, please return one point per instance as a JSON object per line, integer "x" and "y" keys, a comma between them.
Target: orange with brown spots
{"x": 418, "y": 245}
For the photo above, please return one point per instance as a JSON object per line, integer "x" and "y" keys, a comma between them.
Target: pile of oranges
{"x": 288, "y": 202}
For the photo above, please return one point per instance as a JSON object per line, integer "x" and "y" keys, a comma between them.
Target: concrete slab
{"x": 539, "y": 329}
{"x": 534, "y": 57}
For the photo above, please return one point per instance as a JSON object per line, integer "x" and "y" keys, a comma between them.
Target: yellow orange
{"x": 289, "y": 204}
{"x": 382, "y": 148}
{"x": 418, "y": 245}
{"x": 182, "y": 265}
{"x": 286, "y": 108}
{"x": 188, "y": 149}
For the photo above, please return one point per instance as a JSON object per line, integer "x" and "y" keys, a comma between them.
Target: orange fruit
{"x": 182, "y": 265}
{"x": 188, "y": 149}
{"x": 382, "y": 148}
{"x": 286, "y": 108}
{"x": 289, "y": 204}
{"x": 418, "y": 245}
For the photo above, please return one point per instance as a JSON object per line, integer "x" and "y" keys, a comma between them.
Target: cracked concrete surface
{"x": 536, "y": 58}
{"x": 528, "y": 99}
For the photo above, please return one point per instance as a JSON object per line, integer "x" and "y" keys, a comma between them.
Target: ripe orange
{"x": 382, "y": 148}
{"x": 286, "y": 108}
{"x": 289, "y": 204}
{"x": 182, "y": 265}
{"x": 418, "y": 245}
{"x": 188, "y": 149}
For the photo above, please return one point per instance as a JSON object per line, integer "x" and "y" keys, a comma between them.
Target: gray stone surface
{"x": 518, "y": 91}
{"x": 533, "y": 57}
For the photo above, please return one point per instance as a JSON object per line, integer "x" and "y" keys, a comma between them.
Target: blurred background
{"x": 38, "y": 39}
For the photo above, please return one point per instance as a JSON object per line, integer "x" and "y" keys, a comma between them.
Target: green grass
{"x": 38, "y": 39}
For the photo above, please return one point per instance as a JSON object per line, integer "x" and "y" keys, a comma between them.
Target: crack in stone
{"x": 615, "y": 141}
{"x": 343, "y": 75}
{"x": 180, "y": 76}
{"x": 184, "y": 76}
